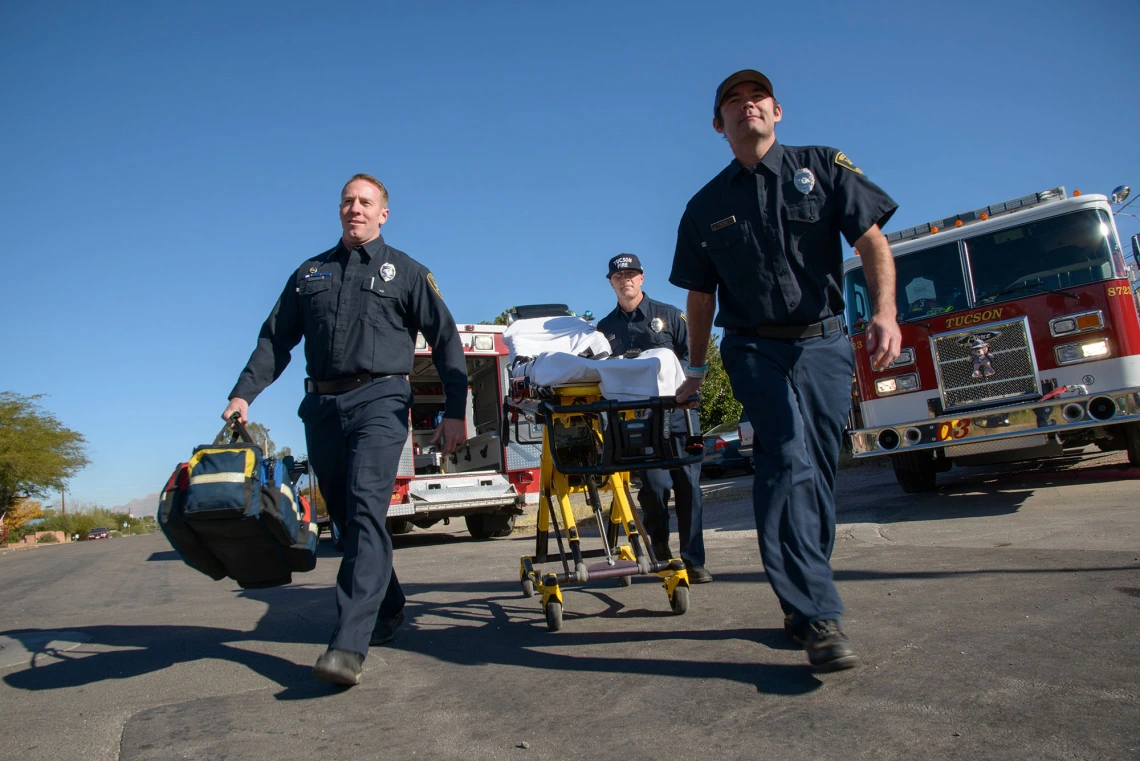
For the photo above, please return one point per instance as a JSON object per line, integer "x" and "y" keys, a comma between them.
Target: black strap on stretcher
{"x": 638, "y": 443}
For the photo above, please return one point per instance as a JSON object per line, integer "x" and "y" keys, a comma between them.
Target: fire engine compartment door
{"x": 450, "y": 492}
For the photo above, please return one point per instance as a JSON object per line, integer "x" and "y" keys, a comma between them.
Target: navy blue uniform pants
{"x": 653, "y": 496}
{"x": 797, "y": 393}
{"x": 355, "y": 440}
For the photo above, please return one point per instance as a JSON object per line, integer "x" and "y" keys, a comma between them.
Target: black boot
{"x": 828, "y": 648}
{"x": 385, "y": 629}
{"x": 339, "y": 667}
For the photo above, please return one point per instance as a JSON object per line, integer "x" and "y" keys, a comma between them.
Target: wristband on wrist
{"x": 696, "y": 372}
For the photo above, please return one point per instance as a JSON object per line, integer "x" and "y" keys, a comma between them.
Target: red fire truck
{"x": 490, "y": 479}
{"x": 1020, "y": 340}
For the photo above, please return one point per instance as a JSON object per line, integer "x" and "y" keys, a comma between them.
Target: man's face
{"x": 362, "y": 212}
{"x": 748, "y": 111}
{"x": 627, "y": 283}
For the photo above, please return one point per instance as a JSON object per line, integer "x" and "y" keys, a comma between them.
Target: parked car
{"x": 98, "y": 533}
{"x": 722, "y": 451}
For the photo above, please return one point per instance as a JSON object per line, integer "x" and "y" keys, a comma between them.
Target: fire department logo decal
{"x": 979, "y": 346}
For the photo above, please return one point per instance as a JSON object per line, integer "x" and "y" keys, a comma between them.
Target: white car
{"x": 744, "y": 431}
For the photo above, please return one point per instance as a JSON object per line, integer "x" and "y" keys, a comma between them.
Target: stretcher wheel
{"x": 553, "y": 615}
{"x": 680, "y": 600}
{"x": 625, "y": 580}
{"x": 528, "y": 588}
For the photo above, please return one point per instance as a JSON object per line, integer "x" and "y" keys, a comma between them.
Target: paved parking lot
{"x": 997, "y": 618}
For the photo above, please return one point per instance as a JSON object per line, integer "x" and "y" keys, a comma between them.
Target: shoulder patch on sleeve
{"x": 684, "y": 318}
{"x": 842, "y": 160}
{"x": 432, "y": 283}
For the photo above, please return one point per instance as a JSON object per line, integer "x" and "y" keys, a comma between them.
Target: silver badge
{"x": 387, "y": 272}
{"x": 312, "y": 270}
{"x": 656, "y": 324}
{"x": 804, "y": 180}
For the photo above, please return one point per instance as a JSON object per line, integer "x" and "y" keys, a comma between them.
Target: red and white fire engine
{"x": 1020, "y": 339}
{"x": 490, "y": 479}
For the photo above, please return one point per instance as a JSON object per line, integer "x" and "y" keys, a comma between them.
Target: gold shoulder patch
{"x": 434, "y": 287}
{"x": 684, "y": 318}
{"x": 842, "y": 160}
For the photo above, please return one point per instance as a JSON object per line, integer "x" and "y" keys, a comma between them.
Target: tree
{"x": 38, "y": 454}
{"x": 718, "y": 405}
{"x": 500, "y": 320}
{"x": 18, "y": 516}
{"x": 260, "y": 435}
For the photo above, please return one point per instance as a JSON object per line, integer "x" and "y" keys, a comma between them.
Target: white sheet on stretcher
{"x": 543, "y": 335}
{"x": 656, "y": 372}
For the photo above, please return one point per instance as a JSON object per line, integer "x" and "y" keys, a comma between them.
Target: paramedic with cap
{"x": 359, "y": 306}
{"x": 762, "y": 238}
{"x": 639, "y": 323}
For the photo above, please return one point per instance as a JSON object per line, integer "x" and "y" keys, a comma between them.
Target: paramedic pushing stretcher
{"x": 359, "y": 306}
{"x": 763, "y": 237}
{"x": 636, "y": 324}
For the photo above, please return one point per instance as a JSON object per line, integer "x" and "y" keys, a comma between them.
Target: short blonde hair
{"x": 368, "y": 178}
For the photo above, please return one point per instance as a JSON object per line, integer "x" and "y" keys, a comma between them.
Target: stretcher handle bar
{"x": 623, "y": 463}
{"x": 664, "y": 403}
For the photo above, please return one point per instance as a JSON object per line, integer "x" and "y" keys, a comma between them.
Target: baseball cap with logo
{"x": 744, "y": 75}
{"x": 624, "y": 262}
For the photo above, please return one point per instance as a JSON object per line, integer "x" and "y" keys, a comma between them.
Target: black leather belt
{"x": 815, "y": 330}
{"x": 341, "y": 385}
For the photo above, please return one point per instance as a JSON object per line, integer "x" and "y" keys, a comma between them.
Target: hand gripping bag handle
{"x": 236, "y": 429}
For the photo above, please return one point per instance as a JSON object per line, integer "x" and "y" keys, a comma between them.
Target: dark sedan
{"x": 722, "y": 451}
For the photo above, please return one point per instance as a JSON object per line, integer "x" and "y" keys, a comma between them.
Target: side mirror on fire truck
{"x": 1136, "y": 249}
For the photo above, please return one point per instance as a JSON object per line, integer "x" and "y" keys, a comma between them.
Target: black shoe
{"x": 662, "y": 551}
{"x": 698, "y": 574}
{"x": 385, "y": 629}
{"x": 339, "y": 667}
{"x": 828, "y": 648}
{"x": 795, "y": 630}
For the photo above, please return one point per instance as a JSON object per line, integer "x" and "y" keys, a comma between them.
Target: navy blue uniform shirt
{"x": 359, "y": 311}
{"x": 767, "y": 241}
{"x": 651, "y": 325}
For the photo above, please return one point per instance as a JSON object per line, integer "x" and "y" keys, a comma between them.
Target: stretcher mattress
{"x": 544, "y": 335}
{"x": 656, "y": 372}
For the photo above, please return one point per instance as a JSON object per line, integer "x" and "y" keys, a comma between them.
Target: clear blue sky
{"x": 165, "y": 166}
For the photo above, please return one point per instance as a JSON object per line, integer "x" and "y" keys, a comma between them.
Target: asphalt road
{"x": 997, "y": 619}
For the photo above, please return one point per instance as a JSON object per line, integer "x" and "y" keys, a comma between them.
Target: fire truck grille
{"x": 986, "y": 364}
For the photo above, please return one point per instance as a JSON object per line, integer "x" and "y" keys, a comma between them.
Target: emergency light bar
{"x": 978, "y": 215}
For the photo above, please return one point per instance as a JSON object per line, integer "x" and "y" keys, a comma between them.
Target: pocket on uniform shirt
{"x": 381, "y": 306}
{"x": 314, "y": 294}
{"x": 805, "y": 211}
{"x": 724, "y": 240}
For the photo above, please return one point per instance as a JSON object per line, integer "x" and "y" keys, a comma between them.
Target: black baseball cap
{"x": 744, "y": 75}
{"x": 624, "y": 262}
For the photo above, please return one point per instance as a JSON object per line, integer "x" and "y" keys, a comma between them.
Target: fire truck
{"x": 1020, "y": 339}
{"x": 492, "y": 477}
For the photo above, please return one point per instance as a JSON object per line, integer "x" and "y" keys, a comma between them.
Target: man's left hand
{"x": 450, "y": 434}
{"x": 884, "y": 340}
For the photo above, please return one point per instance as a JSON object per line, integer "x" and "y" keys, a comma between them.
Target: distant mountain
{"x": 147, "y": 505}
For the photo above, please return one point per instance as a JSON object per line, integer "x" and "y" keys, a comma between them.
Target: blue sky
{"x": 167, "y": 165}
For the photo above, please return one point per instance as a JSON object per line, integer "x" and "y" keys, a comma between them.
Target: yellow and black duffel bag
{"x": 230, "y": 511}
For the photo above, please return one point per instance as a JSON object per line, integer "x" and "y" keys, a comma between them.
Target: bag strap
{"x": 237, "y": 431}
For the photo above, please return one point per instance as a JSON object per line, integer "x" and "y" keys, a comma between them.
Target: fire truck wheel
{"x": 915, "y": 471}
{"x": 1132, "y": 439}
{"x": 398, "y": 526}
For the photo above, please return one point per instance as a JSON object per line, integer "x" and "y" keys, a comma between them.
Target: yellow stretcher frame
{"x": 622, "y": 561}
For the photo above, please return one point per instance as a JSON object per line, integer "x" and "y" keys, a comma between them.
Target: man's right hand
{"x": 688, "y": 389}
{"x": 240, "y": 406}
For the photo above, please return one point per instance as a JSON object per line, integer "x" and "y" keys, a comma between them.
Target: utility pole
{"x": 63, "y": 501}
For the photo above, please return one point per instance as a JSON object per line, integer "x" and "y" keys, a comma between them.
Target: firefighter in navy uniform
{"x": 359, "y": 306}
{"x": 763, "y": 238}
{"x": 636, "y": 324}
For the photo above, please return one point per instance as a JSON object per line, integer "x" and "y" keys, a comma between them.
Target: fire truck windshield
{"x": 1055, "y": 254}
{"x": 1049, "y": 255}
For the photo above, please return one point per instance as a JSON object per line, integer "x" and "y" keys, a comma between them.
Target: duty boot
{"x": 795, "y": 629}
{"x": 828, "y": 648}
{"x": 339, "y": 667}
{"x": 385, "y": 629}
{"x": 698, "y": 574}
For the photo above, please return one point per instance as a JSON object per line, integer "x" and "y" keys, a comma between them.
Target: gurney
{"x": 600, "y": 418}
